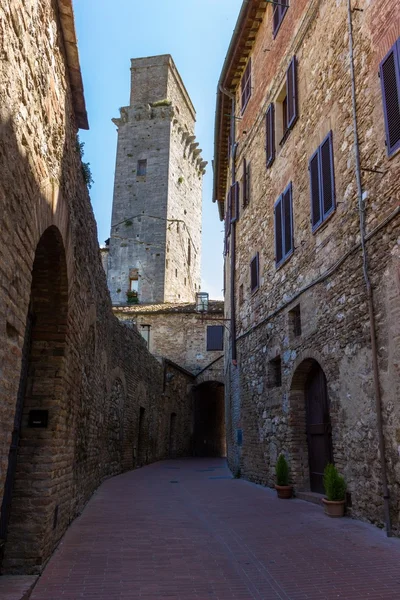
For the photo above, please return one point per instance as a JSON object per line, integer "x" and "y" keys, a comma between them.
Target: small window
{"x": 134, "y": 284}
{"x": 283, "y": 217}
{"x": 246, "y": 86}
{"x": 295, "y": 322}
{"x": 279, "y": 7}
{"x": 145, "y": 333}
{"x": 241, "y": 294}
{"x": 275, "y": 372}
{"x": 141, "y": 168}
{"x": 189, "y": 253}
{"x": 246, "y": 183}
{"x": 215, "y": 337}
{"x": 254, "y": 273}
{"x": 322, "y": 184}
{"x": 390, "y": 82}
{"x": 234, "y": 201}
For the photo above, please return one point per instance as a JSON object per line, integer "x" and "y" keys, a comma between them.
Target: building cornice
{"x": 67, "y": 22}
{"x": 244, "y": 35}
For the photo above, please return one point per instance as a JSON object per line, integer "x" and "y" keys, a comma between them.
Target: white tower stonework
{"x": 155, "y": 241}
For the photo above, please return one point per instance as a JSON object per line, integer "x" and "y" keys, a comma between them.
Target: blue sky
{"x": 197, "y": 35}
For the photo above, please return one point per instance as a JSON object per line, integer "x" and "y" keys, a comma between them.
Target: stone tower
{"x": 155, "y": 242}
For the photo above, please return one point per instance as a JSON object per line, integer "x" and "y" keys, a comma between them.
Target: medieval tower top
{"x": 155, "y": 241}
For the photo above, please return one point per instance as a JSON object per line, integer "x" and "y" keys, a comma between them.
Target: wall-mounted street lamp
{"x": 202, "y": 302}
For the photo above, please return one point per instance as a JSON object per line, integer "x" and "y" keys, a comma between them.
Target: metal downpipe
{"x": 361, "y": 211}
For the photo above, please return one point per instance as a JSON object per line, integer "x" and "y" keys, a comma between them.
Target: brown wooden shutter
{"x": 291, "y": 91}
{"x": 215, "y": 337}
{"x": 270, "y": 134}
{"x": 314, "y": 190}
{"x": 254, "y": 273}
{"x": 327, "y": 178}
{"x": 390, "y": 83}
{"x": 278, "y": 231}
{"x": 287, "y": 221}
{"x": 244, "y": 183}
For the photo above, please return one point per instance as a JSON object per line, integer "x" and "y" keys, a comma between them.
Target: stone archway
{"x": 35, "y": 506}
{"x": 310, "y": 427}
{"x": 209, "y": 436}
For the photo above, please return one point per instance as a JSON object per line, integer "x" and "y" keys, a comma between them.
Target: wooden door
{"x": 319, "y": 431}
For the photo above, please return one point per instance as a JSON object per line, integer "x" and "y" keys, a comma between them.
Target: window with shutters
{"x": 246, "y": 86}
{"x": 270, "y": 134}
{"x": 279, "y": 10}
{"x": 284, "y": 112}
{"x": 215, "y": 337}
{"x": 246, "y": 183}
{"x": 234, "y": 201}
{"x": 389, "y": 71}
{"x": 227, "y": 222}
{"x": 322, "y": 183}
{"x": 254, "y": 273}
{"x": 283, "y": 218}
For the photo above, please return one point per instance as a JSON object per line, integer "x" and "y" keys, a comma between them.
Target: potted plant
{"x": 132, "y": 297}
{"x": 282, "y": 486}
{"x": 335, "y": 489}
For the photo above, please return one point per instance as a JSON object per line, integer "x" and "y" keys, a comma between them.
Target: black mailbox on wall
{"x": 38, "y": 418}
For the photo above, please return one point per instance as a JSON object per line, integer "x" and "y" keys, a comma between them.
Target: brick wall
{"x": 91, "y": 373}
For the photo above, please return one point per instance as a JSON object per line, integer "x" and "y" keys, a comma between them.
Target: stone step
{"x": 313, "y": 497}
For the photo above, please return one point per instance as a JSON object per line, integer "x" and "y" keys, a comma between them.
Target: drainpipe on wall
{"x": 233, "y": 227}
{"x": 361, "y": 211}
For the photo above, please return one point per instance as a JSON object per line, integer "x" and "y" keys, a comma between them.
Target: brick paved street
{"x": 183, "y": 530}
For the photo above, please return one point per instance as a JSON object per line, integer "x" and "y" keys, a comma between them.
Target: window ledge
{"x": 324, "y": 222}
{"x": 284, "y": 260}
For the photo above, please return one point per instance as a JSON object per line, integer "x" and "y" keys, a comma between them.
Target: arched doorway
{"x": 209, "y": 419}
{"x": 311, "y": 426}
{"x": 35, "y": 505}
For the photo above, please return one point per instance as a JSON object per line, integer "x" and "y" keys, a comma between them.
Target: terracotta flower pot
{"x": 284, "y": 491}
{"x": 334, "y": 508}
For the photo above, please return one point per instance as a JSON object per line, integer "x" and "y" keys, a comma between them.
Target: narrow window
{"x": 145, "y": 333}
{"x": 176, "y": 272}
{"x": 390, "y": 83}
{"x": 270, "y": 134}
{"x": 215, "y": 337}
{"x": 322, "y": 183}
{"x": 227, "y": 222}
{"x": 141, "y": 168}
{"x": 254, "y": 273}
{"x": 234, "y": 201}
{"x": 285, "y": 113}
{"x": 246, "y": 183}
{"x": 246, "y": 86}
{"x": 134, "y": 284}
{"x": 279, "y": 7}
{"x": 241, "y": 294}
{"x": 275, "y": 372}
{"x": 295, "y": 322}
{"x": 189, "y": 253}
{"x": 283, "y": 226}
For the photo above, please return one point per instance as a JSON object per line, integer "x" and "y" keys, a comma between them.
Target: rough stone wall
{"x": 180, "y": 337}
{"x": 334, "y": 316}
{"x": 157, "y": 215}
{"x": 91, "y": 373}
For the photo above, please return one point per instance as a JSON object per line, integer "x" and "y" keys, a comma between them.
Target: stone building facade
{"x": 155, "y": 239}
{"x": 182, "y": 335}
{"x": 81, "y": 398}
{"x": 307, "y": 177}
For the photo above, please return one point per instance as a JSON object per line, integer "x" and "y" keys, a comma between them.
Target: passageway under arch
{"x": 209, "y": 438}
